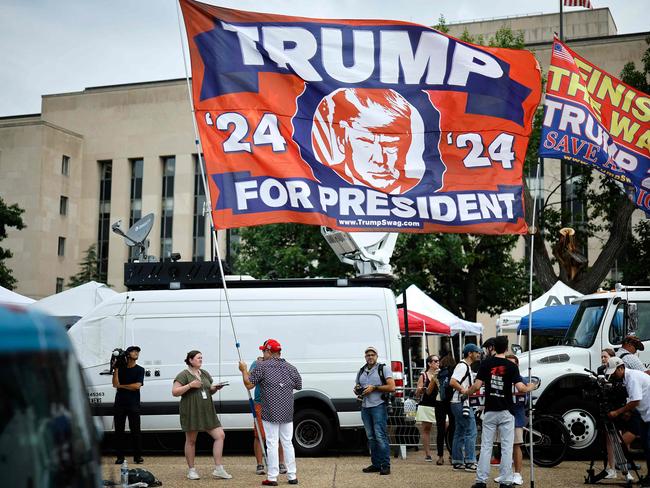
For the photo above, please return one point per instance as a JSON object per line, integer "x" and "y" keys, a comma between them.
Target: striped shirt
{"x": 277, "y": 380}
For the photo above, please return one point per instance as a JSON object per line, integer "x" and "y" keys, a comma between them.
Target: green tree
{"x": 636, "y": 268}
{"x": 608, "y": 212}
{"x": 10, "y": 216}
{"x": 88, "y": 269}
{"x": 466, "y": 273}
{"x": 442, "y": 24}
{"x": 287, "y": 251}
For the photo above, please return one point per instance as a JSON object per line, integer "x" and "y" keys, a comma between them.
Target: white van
{"x": 323, "y": 332}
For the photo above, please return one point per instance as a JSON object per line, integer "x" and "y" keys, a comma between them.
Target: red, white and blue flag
{"x": 578, "y": 3}
{"x": 560, "y": 52}
{"x": 358, "y": 124}
{"x": 593, "y": 118}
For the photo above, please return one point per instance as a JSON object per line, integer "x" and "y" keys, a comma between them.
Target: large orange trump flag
{"x": 358, "y": 124}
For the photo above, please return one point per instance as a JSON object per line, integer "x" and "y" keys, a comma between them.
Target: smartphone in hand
{"x": 223, "y": 383}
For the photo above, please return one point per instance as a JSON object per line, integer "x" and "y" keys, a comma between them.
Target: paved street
{"x": 345, "y": 471}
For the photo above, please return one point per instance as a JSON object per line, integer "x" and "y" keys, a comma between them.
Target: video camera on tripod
{"x": 606, "y": 394}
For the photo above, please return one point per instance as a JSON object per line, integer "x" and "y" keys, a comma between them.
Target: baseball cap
{"x": 271, "y": 345}
{"x": 470, "y": 348}
{"x": 635, "y": 341}
{"x": 612, "y": 364}
{"x": 133, "y": 348}
{"x": 373, "y": 349}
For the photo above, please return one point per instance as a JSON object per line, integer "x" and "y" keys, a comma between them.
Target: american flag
{"x": 559, "y": 51}
{"x": 578, "y": 3}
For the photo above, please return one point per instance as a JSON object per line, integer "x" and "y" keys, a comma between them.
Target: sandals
{"x": 440, "y": 461}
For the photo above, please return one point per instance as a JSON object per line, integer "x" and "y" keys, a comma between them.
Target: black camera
{"x": 119, "y": 358}
{"x": 607, "y": 395}
{"x": 358, "y": 391}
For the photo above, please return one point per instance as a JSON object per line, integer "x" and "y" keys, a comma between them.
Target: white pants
{"x": 273, "y": 430}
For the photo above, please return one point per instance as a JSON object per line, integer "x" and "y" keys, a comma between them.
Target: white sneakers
{"x": 516, "y": 479}
{"x": 611, "y": 474}
{"x": 219, "y": 472}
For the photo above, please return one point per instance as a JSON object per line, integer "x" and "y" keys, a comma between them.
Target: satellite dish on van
{"x": 136, "y": 236}
{"x": 139, "y": 231}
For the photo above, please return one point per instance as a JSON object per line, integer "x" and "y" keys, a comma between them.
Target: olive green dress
{"x": 197, "y": 414}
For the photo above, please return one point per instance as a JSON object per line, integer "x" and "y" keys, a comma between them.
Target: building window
{"x": 65, "y": 165}
{"x": 59, "y": 285}
{"x": 198, "y": 232}
{"x": 63, "y": 205}
{"x": 104, "y": 227}
{"x": 167, "y": 217}
{"x": 61, "y": 248}
{"x": 137, "y": 171}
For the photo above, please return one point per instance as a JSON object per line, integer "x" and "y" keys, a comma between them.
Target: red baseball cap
{"x": 271, "y": 345}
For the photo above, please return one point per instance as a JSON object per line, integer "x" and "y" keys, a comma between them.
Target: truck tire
{"x": 312, "y": 432}
{"x": 580, "y": 419}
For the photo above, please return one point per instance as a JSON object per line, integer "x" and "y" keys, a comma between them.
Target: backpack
{"x": 138, "y": 475}
{"x": 380, "y": 370}
{"x": 445, "y": 391}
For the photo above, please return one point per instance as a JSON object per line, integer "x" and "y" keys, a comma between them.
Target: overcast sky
{"x": 58, "y": 46}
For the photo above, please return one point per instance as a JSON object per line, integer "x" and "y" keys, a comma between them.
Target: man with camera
{"x": 637, "y": 385}
{"x": 374, "y": 383}
{"x": 463, "y": 449}
{"x": 499, "y": 375}
{"x": 128, "y": 378}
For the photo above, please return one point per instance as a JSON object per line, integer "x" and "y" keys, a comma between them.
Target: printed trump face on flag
{"x": 370, "y": 137}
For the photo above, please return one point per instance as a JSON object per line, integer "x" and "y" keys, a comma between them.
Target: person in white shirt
{"x": 637, "y": 384}
{"x": 463, "y": 449}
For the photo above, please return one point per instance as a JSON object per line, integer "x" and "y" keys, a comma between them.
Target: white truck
{"x": 323, "y": 332}
{"x": 602, "y": 321}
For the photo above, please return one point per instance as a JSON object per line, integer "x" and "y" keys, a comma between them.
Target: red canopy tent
{"x": 419, "y": 323}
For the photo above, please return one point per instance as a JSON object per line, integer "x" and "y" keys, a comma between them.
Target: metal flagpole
{"x": 561, "y": 22}
{"x": 530, "y": 326}
{"x": 213, "y": 232}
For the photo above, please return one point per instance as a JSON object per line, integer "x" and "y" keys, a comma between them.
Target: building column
{"x": 118, "y": 251}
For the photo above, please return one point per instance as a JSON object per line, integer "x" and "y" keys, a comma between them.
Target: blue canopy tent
{"x": 553, "y": 320}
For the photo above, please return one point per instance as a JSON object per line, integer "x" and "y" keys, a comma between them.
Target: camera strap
{"x": 463, "y": 379}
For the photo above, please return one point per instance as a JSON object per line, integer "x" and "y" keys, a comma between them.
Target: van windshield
{"x": 584, "y": 327}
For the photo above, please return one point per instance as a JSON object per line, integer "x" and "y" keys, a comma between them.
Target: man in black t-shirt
{"x": 128, "y": 382}
{"x": 498, "y": 375}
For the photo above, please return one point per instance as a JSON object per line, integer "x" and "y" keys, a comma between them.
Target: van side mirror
{"x": 516, "y": 349}
{"x": 632, "y": 317}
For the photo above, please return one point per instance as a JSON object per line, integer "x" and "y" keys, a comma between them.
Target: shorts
{"x": 425, "y": 414}
{"x": 258, "y": 414}
{"x": 629, "y": 423}
{"x": 519, "y": 435}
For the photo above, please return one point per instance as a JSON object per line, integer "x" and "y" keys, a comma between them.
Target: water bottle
{"x": 124, "y": 473}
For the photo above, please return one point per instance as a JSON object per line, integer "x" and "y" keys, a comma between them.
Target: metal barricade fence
{"x": 403, "y": 431}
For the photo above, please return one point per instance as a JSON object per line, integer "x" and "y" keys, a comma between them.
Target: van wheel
{"x": 580, "y": 420}
{"x": 312, "y": 432}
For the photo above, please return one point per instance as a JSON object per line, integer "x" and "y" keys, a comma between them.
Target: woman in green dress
{"x": 194, "y": 386}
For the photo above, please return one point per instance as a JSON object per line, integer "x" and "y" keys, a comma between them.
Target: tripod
{"x": 622, "y": 458}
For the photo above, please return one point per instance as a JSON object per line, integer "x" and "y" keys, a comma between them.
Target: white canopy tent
{"x": 12, "y": 298}
{"x": 420, "y": 302}
{"x": 70, "y": 305}
{"x": 559, "y": 294}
